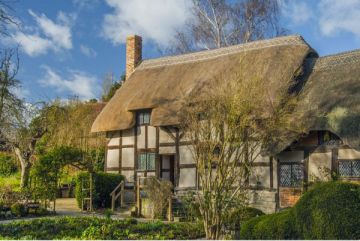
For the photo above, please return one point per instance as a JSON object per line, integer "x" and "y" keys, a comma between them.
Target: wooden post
{"x": 138, "y": 200}
{"x": 122, "y": 194}
{"x": 113, "y": 202}
{"x": 170, "y": 216}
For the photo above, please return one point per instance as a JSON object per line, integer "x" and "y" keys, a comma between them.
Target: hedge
{"x": 327, "y": 211}
{"x": 103, "y": 185}
{"x": 91, "y": 228}
{"x": 7, "y": 165}
{"x": 241, "y": 215}
{"x": 274, "y": 226}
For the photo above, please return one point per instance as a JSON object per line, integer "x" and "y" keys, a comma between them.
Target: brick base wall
{"x": 289, "y": 196}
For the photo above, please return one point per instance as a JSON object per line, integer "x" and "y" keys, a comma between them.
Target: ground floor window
{"x": 291, "y": 175}
{"x": 349, "y": 168}
{"x": 146, "y": 161}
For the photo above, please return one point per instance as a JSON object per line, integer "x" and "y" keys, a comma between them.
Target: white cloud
{"x": 77, "y": 83}
{"x": 298, "y": 12}
{"x": 338, "y": 16}
{"x": 87, "y": 51}
{"x": 153, "y": 20}
{"x": 46, "y": 35}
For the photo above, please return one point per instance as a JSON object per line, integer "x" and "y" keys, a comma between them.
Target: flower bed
{"x": 98, "y": 228}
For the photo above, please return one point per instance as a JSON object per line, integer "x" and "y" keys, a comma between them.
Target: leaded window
{"x": 146, "y": 161}
{"x": 143, "y": 117}
{"x": 291, "y": 175}
{"x": 349, "y": 168}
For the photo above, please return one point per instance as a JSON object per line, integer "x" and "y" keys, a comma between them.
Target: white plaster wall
{"x": 275, "y": 177}
{"x": 128, "y": 137}
{"x": 348, "y": 154}
{"x": 151, "y": 174}
{"x": 167, "y": 150}
{"x": 292, "y": 156}
{"x": 114, "y": 141}
{"x": 127, "y": 157}
{"x": 114, "y": 172}
{"x": 186, "y": 156}
{"x": 319, "y": 165}
{"x": 262, "y": 174}
{"x": 129, "y": 175}
{"x": 165, "y": 137}
{"x": 187, "y": 177}
{"x": 112, "y": 158}
{"x": 151, "y": 137}
{"x": 141, "y": 137}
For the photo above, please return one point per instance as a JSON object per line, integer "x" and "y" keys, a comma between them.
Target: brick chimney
{"x": 133, "y": 53}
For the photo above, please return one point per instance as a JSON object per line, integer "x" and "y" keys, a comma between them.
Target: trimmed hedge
{"x": 241, "y": 215}
{"x": 92, "y": 228}
{"x": 103, "y": 185}
{"x": 327, "y": 211}
{"x": 274, "y": 226}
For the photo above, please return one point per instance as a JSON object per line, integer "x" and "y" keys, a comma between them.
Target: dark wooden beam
{"x": 120, "y": 152}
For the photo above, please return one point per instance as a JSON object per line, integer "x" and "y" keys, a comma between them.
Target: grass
{"x": 92, "y": 228}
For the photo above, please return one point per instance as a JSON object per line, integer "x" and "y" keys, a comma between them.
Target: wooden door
{"x": 167, "y": 167}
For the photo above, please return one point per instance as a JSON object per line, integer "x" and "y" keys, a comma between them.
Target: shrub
{"x": 103, "y": 185}
{"x": 241, "y": 215}
{"x": 98, "y": 228}
{"x": 274, "y": 226}
{"x": 7, "y": 165}
{"x": 189, "y": 207}
{"x": 329, "y": 211}
{"x": 18, "y": 209}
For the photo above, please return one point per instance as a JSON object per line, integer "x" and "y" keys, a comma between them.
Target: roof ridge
{"x": 348, "y": 57}
{"x": 213, "y": 53}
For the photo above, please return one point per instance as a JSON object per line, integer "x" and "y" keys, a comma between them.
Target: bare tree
{"x": 6, "y": 18}
{"x": 220, "y": 23}
{"x": 230, "y": 125}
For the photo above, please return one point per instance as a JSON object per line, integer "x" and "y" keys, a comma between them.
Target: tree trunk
{"x": 25, "y": 168}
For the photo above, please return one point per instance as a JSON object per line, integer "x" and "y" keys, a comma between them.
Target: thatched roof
{"x": 162, "y": 84}
{"x": 331, "y": 96}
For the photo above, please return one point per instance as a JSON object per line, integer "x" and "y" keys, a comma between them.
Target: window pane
{"x": 285, "y": 175}
{"x": 146, "y": 117}
{"x": 291, "y": 175}
{"x": 151, "y": 161}
{"x": 139, "y": 118}
{"x": 142, "y": 162}
{"x": 356, "y": 168}
{"x": 345, "y": 168}
{"x": 297, "y": 175}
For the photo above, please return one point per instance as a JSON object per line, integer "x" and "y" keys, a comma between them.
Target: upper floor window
{"x": 146, "y": 161}
{"x": 326, "y": 137}
{"x": 143, "y": 117}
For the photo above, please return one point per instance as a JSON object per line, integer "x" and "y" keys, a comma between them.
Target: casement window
{"x": 349, "y": 168}
{"x": 146, "y": 161}
{"x": 143, "y": 117}
{"x": 291, "y": 175}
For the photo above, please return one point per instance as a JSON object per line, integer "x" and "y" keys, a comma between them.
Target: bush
{"x": 329, "y": 211}
{"x": 274, "y": 226}
{"x": 189, "y": 207}
{"x": 241, "y": 215}
{"x": 7, "y": 165}
{"x": 103, "y": 185}
{"x": 18, "y": 209}
{"x": 98, "y": 228}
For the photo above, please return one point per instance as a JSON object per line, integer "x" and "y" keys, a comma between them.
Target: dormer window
{"x": 143, "y": 117}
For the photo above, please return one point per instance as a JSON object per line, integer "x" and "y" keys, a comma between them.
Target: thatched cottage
{"x": 142, "y": 124}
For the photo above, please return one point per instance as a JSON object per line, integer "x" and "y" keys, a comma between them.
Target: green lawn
{"x": 12, "y": 181}
{"x": 98, "y": 228}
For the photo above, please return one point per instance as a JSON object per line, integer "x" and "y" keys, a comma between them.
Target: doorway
{"x": 167, "y": 167}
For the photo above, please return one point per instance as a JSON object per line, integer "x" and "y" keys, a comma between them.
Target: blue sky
{"x": 68, "y": 46}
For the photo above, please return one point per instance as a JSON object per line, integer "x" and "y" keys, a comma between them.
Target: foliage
{"x": 110, "y": 86}
{"x": 190, "y": 207}
{"x": 18, "y": 209}
{"x": 329, "y": 211}
{"x": 98, "y": 228}
{"x": 158, "y": 193}
{"x": 108, "y": 213}
{"x": 7, "y": 165}
{"x": 274, "y": 226}
{"x": 103, "y": 185}
{"x": 241, "y": 215}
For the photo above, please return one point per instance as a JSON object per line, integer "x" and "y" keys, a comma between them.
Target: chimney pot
{"x": 133, "y": 53}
